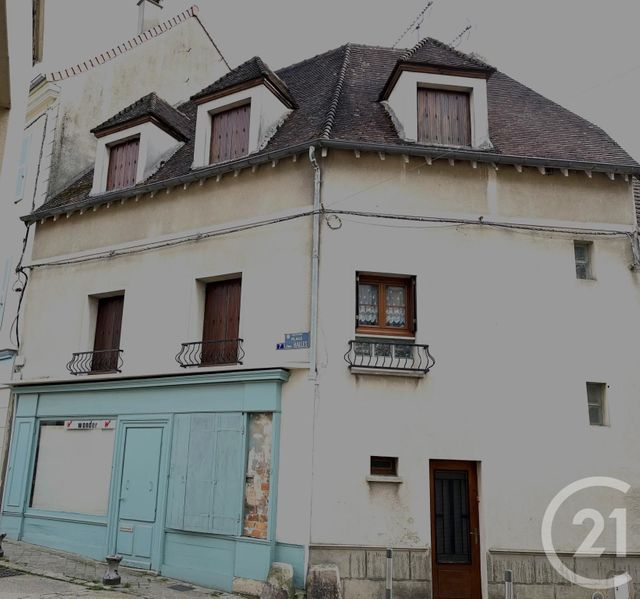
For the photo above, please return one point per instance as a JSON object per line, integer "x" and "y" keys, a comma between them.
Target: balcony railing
{"x": 211, "y": 353}
{"x": 389, "y": 355}
{"x": 96, "y": 362}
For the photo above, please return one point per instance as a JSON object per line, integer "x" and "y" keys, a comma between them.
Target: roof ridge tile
{"x": 335, "y": 99}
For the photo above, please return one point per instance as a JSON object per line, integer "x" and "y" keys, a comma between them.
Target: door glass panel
{"x": 452, "y": 517}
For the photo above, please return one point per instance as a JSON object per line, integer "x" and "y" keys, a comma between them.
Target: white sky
{"x": 584, "y": 54}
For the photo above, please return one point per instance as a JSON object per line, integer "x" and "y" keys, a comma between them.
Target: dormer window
{"x": 238, "y": 114}
{"x": 123, "y": 164}
{"x": 444, "y": 117}
{"x": 230, "y": 134}
{"x": 133, "y": 144}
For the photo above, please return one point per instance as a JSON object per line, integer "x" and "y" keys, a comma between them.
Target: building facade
{"x": 379, "y": 298}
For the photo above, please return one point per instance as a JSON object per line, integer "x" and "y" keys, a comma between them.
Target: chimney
{"x": 149, "y": 12}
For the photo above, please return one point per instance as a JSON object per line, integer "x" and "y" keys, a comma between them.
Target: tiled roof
{"x": 128, "y": 45}
{"x": 149, "y": 106}
{"x": 337, "y": 97}
{"x": 436, "y": 53}
{"x": 636, "y": 197}
{"x": 251, "y": 70}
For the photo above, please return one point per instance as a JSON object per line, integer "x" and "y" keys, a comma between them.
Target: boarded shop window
{"x": 258, "y": 478}
{"x": 230, "y": 134}
{"x": 73, "y": 469}
{"x": 444, "y": 117}
{"x": 207, "y": 473}
{"x": 123, "y": 164}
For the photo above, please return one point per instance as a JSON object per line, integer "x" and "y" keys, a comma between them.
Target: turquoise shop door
{"x": 138, "y": 501}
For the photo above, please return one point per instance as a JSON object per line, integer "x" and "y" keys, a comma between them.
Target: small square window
{"x": 385, "y": 305}
{"x": 384, "y": 466}
{"x": 582, "y": 251}
{"x": 596, "y": 403}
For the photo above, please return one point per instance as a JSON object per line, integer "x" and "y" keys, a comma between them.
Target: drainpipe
{"x": 315, "y": 264}
{"x": 313, "y": 350}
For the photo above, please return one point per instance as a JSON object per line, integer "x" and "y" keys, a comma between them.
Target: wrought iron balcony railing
{"x": 96, "y": 362}
{"x": 211, "y": 353}
{"x": 389, "y": 355}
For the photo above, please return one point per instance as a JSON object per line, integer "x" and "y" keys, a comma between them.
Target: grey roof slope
{"x": 337, "y": 94}
{"x": 153, "y": 106}
{"x": 436, "y": 53}
{"x": 252, "y": 69}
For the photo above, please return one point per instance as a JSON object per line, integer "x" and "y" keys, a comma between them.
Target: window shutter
{"x": 22, "y": 168}
{"x": 178, "y": 471}
{"x": 206, "y": 480}
{"x": 229, "y": 463}
{"x": 414, "y": 305}
{"x": 4, "y": 287}
{"x": 200, "y": 472}
{"x": 444, "y": 117}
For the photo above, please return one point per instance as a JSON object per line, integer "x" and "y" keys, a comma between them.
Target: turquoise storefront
{"x": 154, "y": 469}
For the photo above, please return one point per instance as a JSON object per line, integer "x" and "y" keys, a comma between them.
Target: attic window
{"x": 123, "y": 164}
{"x": 444, "y": 117}
{"x": 230, "y": 134}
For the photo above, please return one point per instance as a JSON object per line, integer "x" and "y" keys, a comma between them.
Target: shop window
{"x": 73, "y": 467}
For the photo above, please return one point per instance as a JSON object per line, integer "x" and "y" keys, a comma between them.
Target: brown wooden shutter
{"x": 221, "y": 322}
{"x": 123, "y": 164}
{"x": 444, "y": 117}
{"x": 107, "y": 337}
{"x": 230, "y": 134}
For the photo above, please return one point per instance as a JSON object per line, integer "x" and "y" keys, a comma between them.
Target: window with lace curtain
{"x": 385, "y": 305}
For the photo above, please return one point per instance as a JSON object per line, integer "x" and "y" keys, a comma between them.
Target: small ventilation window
{"x": 596, "y": 403}
{"x": 384, "y": 466}
{"x": 583, "y": 251}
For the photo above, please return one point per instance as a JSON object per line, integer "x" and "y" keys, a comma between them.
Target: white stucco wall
{"x": 515, "y": 335}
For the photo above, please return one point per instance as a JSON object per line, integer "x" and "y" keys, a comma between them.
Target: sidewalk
{"x": 71, "y": 568}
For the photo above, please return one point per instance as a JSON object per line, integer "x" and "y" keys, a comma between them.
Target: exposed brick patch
{"x": 258, "y": 483}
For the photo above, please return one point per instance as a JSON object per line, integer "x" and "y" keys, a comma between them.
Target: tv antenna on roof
{"x": 415, "y": 24}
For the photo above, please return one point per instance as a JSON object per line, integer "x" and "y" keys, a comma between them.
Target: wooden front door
{"x": 455, "y": 542}
{"x": 107, "y": 339}
{"x": 221, "y": 323}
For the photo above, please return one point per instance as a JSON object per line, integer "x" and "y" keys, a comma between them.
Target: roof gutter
{"x": 431, "y": 152}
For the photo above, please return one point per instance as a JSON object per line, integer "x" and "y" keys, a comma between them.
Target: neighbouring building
{"x": 48, "y": 127}
{"x": 17, "y": 21}
{"x": 377, "y": 298}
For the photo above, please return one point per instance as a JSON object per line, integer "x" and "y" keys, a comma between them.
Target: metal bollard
{"x": 508, "y": 584}
{"x": 2, "y": 536}
{"x": 111, "y": 576}
{"x": 389, "y": 581}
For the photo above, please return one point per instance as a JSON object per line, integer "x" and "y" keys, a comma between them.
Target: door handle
{"x": 474, "y": 534}
{"x": 150, "y": 486}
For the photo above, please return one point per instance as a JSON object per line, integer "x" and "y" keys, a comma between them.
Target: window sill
{"x": 387, "y": 372}
{"x": 396, "y": 480}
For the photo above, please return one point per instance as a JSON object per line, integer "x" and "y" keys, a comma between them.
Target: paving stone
{"x": 533, "y": 591}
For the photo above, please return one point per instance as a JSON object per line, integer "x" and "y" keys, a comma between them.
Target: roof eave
{"x": 381, "y": 148}
{"x": 161, "y": 123}
{"x": 424, "y": 67}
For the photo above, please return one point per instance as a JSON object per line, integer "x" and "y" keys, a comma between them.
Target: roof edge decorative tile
{"x": 125, "y": 46}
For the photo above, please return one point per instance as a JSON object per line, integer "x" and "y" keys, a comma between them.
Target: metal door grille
{"x": 452, "y": 517}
